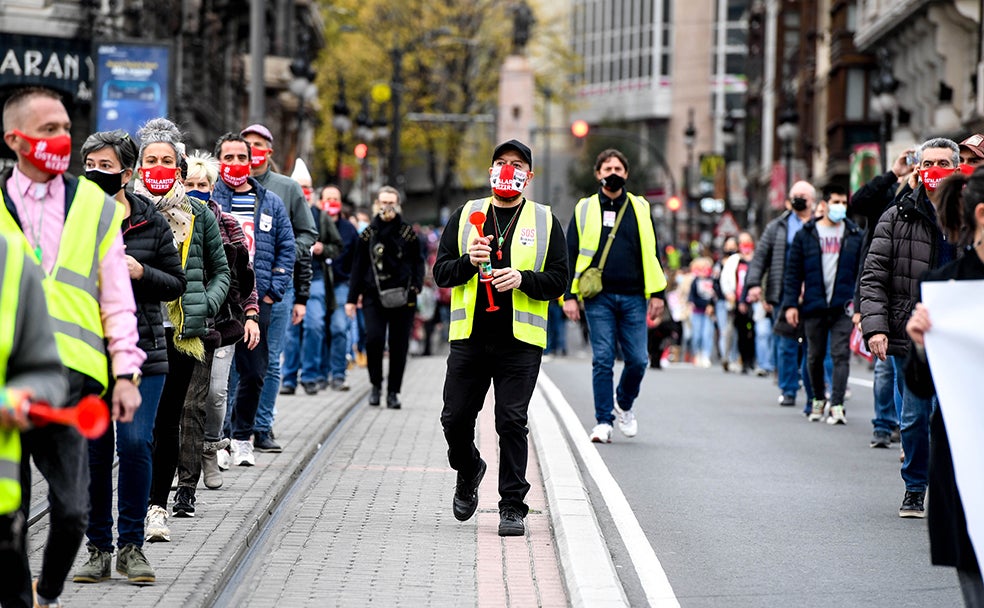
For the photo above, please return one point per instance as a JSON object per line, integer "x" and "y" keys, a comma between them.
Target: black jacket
{"x": 870, "y": 201}
{"x": 394, "y": 246}
{"x": 148, "y": 239}
{"x": 805, "y": 269}
{"x": 949, "y": 541}
{"x": 904, "y": 248}
{"x": 770, "y": 257}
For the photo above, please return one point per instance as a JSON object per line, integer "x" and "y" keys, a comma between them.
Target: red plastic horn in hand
{"x": 477, "y": 219}
{"x": 90, "y": 416}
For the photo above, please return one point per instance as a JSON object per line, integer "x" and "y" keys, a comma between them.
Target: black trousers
{"x": 397, "y": 322}
{"x": 251, "y": 366}
{"x": 837, "y": 326}
{"x": 512, "y": 369}
{"x": 745, "y": 331}
{"x": 168, "y": 422}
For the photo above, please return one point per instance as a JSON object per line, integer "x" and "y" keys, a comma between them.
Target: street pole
{"x": 788, "y": 151}
{"x": 548, "y": 94}
{"x": 396, "y": 87}
{"x": 882, "y": 141}
{"x": 257, "y": 86}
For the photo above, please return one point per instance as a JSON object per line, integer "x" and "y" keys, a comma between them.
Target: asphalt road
{"x": 748, "y": 504}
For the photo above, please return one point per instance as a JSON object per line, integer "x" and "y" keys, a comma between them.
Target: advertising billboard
{"x": 132, "y": 84}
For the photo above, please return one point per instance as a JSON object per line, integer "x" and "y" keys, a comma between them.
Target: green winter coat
{"x": 204, "y": 261}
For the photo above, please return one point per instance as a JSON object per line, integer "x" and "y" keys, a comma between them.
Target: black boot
{"x": 393, "y": 401}
{"x": 374, "y": 395}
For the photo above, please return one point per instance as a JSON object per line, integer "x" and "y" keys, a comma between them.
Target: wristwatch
{"x": 255, "y": 318}
{"x": 134, "y": 378}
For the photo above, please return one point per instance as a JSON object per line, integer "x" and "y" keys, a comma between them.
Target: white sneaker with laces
{"x": 155, "y": 526}
{"x": 627, "y": 422}
{"x": 601, "y": 433}
{"x": 836, "y": 415}
{"x": 244, "y": 453}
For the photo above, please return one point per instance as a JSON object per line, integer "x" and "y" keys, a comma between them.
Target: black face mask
{"x": 613, "y": 182}
{"x": 799, "y": 203}
{"x": 111, "y": 183}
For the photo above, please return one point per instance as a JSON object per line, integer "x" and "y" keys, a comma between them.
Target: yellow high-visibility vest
{"x": 588, "y": 220}
{"x": 11, "y": 267}
{"x": 527, "y": 251}
{"x": 72, "y": 288}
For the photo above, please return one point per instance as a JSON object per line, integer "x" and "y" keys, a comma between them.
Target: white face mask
{"x": 836, "y": 212}
{"x": 508, "y": 181}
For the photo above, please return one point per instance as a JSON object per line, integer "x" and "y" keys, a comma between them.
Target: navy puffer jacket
{"x": 805, "y": 269}
{"x": 273, "y": 260}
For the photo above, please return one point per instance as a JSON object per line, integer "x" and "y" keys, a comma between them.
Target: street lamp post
{"x": 788, "y": 131}
{"x": 689, "y": 139}
{"x": 393, "y": 174}
{"x": 342, "y": 123}
{"x": 884, "y": 103}
{"x": 303, "y": 87}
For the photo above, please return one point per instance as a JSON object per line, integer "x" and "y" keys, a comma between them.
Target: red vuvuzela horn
{"x": 477, "y": 219}
{"x": 90, "y": 416}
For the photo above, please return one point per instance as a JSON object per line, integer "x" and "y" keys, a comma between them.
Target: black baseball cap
{"x": 514, "y": 144}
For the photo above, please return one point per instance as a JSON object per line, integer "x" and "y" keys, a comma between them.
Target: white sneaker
{"x": 244, "y": 453}
{"x": 836, "y": 415}
{"x": 627, "y": 421}
{"x": 601, "y": 433}
{"x": 155, "y": 526}
{"x": 223, "y": 458}
{"x": 816, "y": 410}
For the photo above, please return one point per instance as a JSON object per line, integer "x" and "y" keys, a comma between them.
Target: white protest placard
{"x": 955, "y": 349}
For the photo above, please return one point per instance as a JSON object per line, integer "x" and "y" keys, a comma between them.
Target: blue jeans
{"x": 302, "y": 349}
{"x": 727, "y": 342}
{"x": 340, "y": 342}
{"x": 703, "y": 334}
{"x": 789, "y": 364}
{"x": 279, "y": 321}
{"x": 763, "y": 344}
{"x": 888, "y": 401}
{"x": 134, "y": 442}
{"x": 621, "y": 318}
{"x": 914, "y": 423}
{"x": 556, "y": 329}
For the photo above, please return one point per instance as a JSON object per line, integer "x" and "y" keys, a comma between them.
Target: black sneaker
{"x": 881, "y": 439}
{"x": 787, "y": 400}
{"x": 288, "y": 389}
{"x": 466, "y": 494}
{"x": 393, "y": 401}
{"x": 311, "y": 388}
{"x": 912, "y": 505}
{"x": 375, "y": 395}
{"x": 263, "y": 442}
{"x": 511, "y": 522}
{"x": 896, "y": 435}
{"x": 184, "y": 502}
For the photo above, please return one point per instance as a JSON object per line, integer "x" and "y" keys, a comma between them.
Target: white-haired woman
{"x": 196, "y": 232}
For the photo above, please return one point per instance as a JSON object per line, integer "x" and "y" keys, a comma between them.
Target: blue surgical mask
{"x": 836, "y": 213}
{"x": 362, "y": 225}
{"x": 202, "y": 196}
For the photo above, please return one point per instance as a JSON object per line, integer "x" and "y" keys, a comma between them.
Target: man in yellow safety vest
{"x": 499, "y": 328}
{"x": 29, "y": 367}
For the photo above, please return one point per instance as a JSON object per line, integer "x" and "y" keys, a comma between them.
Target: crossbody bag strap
{"x": 611, "y": 235}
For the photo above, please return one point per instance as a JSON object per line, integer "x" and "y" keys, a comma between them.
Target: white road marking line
{"x": 651, "y": 574}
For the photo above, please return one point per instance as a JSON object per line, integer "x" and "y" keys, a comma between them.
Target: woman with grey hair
{"x": 155, "y": 275}
{"x": 196, "y": 233}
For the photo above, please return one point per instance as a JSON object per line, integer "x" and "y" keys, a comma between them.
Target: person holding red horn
{"x": 501, "y": 342}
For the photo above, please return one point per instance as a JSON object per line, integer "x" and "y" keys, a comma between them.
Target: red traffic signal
{"x": 673, "y": 203}
{"x": 361, "y": 151}
{"x": 580, "y": 128}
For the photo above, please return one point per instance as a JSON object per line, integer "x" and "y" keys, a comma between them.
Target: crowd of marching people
{"x": 193, "y": 288}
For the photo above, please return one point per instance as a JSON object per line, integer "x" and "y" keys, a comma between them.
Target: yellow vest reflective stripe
{"x": 11, "y": 267}
{"x": 587, "y": 215}
{"x": 72, "y": 288}
{"x": 532, "y": 227}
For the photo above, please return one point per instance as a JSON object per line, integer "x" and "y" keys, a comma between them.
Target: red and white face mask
{"x": 49, "y": 154}
{"x": 234, "y": 175}
{"x": 159, "y": 179}
{"x": 508, "y": 181}
{"x": 258, "y": 156}
{"x": 934, "y": 176}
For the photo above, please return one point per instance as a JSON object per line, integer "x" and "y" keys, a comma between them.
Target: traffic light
{"x": 673, "y": 203}
{"x": 580, "y": 128}
{"x": 361, "y": 151}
